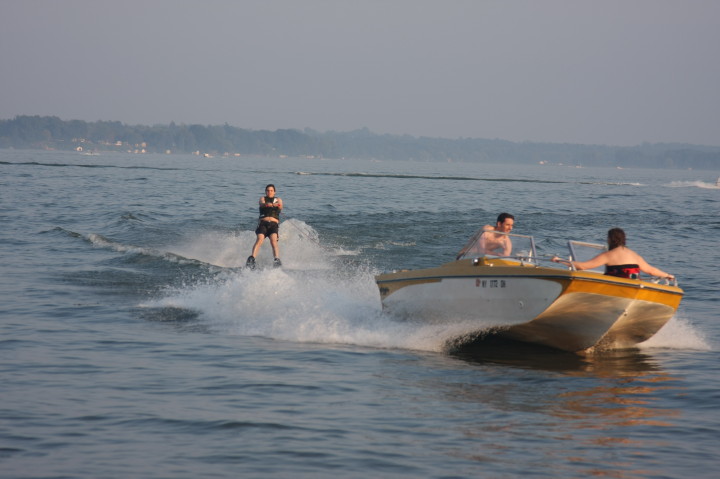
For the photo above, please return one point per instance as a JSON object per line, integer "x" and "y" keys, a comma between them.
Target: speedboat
{"x": 518, "y": 295}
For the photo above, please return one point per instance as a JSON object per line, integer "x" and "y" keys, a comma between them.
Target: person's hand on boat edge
{"x": 557, "y": 259}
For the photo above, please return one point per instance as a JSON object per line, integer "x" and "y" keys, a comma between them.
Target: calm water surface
{"x": 133, "y": 344}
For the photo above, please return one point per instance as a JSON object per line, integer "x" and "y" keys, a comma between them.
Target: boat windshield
{"x": 498, "y": 244}
{"x": 582, "y": 251}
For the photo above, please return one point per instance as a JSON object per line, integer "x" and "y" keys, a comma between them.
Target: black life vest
{"x": 631, "y": 271}
{"x": 272, "y": 211}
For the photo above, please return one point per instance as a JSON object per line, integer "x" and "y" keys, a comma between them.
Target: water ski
{"x": 251, "y": 264}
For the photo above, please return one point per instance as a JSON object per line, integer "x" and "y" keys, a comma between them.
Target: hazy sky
{"x": 618, "y": 72}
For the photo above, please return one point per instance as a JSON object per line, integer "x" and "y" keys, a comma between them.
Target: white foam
{"x": 299, "y": 244}
{"x": 311, "y": 306}
{"x": 227, "y": 250}
{"x": 678, "y": 333}
{"x": 694, "y": 184}
{"x": 312, "y": 298}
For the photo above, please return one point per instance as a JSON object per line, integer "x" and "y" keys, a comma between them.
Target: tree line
{"x": 53, "y": 132}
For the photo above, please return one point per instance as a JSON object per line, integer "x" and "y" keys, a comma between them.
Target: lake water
{"x": 133, "y": 344}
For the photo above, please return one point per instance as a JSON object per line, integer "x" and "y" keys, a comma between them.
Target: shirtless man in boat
{"x": 498, "y": 244}
{"x": 493, "y": 239}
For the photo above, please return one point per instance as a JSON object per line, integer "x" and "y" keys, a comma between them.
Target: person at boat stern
{"x": 619, "y": 260}
{"x": 268, "y": 226}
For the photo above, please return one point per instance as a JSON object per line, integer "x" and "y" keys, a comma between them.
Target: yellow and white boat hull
{"x": 560, "y": 308}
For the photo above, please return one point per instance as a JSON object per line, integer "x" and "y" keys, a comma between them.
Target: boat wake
{"x": 317, "y": 306}
{"x": 322, "y": 294}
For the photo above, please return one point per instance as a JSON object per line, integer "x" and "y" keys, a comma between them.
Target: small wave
{"x": 130, "y": 217}
{"x": 466, "y": 178}
{"x": 82, "y": 165}
{"x": 62, "y": 231}
{"x": 228, "y": 250}
{"x": 384, "y": 244}
{"x": 694, "y": 184}
{"x": 103, "y": 242}
{"x": 427, "y": 177}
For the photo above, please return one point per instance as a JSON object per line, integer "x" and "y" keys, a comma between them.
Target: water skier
{"x": 268, "y": 226}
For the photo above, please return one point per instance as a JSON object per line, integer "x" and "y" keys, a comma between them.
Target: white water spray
{"x": 317, "y": 297}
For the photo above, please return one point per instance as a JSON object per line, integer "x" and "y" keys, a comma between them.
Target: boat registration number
{"x": 489, "y": 283}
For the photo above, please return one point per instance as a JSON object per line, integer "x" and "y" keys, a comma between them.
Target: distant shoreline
{"x": 49, "y": 132}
